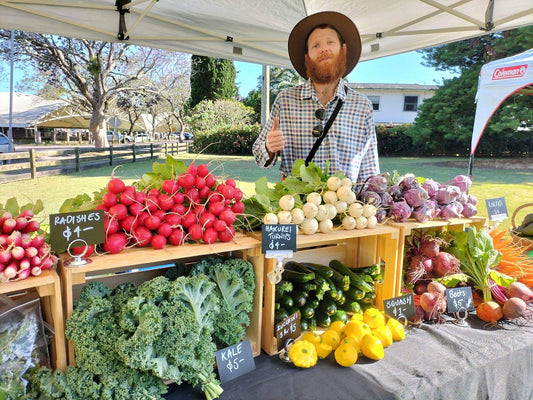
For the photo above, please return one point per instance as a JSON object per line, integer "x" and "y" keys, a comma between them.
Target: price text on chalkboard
{"x": 497, "y": 209}
{"x": 67, "y": 227}
{"x": 289, "y": 328}
{"x": 276, "y": 237}
{"x": 234, "y": 361}
{"x": 402, "y": 306}
{"x": 459, "y": 299}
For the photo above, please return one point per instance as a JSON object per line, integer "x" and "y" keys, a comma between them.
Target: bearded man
{"x": 322, "y": 120}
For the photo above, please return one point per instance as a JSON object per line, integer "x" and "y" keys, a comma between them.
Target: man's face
{"x": 326, "y": 58}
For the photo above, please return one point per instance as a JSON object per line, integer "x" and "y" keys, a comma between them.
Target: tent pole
{"x": 470, "y": 165}
{"x": 265, "y": 95}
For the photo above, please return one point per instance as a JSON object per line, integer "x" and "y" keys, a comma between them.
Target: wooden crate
{"x": 48, "y": 288}
{"x": 113, "y": 269}
{"x": 455, "y": 224}
{"x": 356, "y": 248}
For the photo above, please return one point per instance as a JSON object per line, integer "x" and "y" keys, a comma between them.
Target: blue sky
{"x": 401, "y": 68}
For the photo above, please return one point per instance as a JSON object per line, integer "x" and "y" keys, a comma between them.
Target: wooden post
{"x": 151, "y": 150}
{"x": 166, "y": 149}
{"x": 33, "y": 164}
{"x": 133, "y": 152}
{"x": 77, "y": 156}
{"x": 110, "y": 155}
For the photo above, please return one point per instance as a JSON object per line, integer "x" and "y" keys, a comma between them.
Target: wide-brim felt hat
{"x": 343, "y": 25}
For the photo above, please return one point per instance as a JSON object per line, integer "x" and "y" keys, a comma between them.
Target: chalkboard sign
{"x": 67, "y": 227}
{"x": 289, "y": 328}
{"x": 278, "y": 237}
{"x": 234, "y": 361}
{"x": 401, "y": 306}
{"x": 459, "y": 299}
{"x": 497, "y": 209}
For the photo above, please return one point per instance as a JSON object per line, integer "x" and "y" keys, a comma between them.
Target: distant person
{"x": 323, "y": 48}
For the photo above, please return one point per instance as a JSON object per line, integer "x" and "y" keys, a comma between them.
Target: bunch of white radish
{"x": 317, "y": 213}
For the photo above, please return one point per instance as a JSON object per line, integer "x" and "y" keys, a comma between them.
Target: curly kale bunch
{"x": 99, "y": 373}
{"x": 167, "y": 329}
{"x": 235, "y": 282}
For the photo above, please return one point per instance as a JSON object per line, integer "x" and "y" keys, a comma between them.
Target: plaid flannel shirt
{"x": 350, "y": 145}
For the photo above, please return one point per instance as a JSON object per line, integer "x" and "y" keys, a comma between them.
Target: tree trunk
{"x": 98, "y": 129}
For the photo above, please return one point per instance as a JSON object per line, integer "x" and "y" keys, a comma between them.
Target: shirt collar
{"x": 308, "y": 91}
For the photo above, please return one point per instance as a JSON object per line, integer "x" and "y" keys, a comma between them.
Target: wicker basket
{"x": 525, "y": 243}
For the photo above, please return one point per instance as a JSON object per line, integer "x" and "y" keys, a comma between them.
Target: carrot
{"x": 513, "y": 261}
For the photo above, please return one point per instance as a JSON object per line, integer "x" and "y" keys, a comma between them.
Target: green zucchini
{"x": 304, "y": 325}
{"x": 307, "y": 311}
{"x": 300, "y": 298}
{"x": 340, "y": 315}
{"x": 295, "y": 276}
{"x": 356, "y": 280}
{"x": 327, "y": 307}
{"x": 340, "y": 280}
{"x": 286, "y": 301}
{"x": 369, "y": 298}
{"x": 305, "y": 287}
{"x": 280, "y": 314}
{"x": 354, "y": 293}
{"x": 313, "y": 301}
{"x": 311, "y": 324}
{"x": 322, "y": 270}
{"x": 341, "y": 300}
{"x": 351, "y": 306}
{"x": 323, "y": 320}
{"x": 283, "y": 287}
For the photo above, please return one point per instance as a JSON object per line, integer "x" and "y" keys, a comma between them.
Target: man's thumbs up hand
{"x": 274, "y": 141}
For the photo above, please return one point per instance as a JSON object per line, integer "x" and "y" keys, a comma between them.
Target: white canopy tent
{"x": 498, "y": 80}
{"x": 257, "y": 30}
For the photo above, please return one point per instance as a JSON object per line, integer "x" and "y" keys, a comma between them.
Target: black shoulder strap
{"x": 326, "y": 129}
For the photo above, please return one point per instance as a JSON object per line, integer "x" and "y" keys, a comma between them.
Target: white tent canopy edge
{"x": 498, "y": 80}
{"x": 256, "y": 30}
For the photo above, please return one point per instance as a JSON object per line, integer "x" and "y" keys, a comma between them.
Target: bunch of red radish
{"x": 23, "y": 252}
{"x": 194, "y": 206}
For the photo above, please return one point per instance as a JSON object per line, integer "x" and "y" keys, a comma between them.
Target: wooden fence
{"x": 35, "y": 162}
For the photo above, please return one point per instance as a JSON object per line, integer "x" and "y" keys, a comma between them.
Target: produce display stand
{"x": 355, "y": 248}
{"x": 453, "y": 224}
{"x": 131, "y": 266}
{"x": 48, "y": 288}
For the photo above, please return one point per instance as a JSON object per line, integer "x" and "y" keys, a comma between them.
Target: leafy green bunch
{"x": 303, "y": 180}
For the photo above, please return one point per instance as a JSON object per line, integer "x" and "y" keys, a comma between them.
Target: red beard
{"x": 326, "y": 73}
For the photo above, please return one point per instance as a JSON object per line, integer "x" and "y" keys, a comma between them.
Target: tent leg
{"x": 470, "y": 165}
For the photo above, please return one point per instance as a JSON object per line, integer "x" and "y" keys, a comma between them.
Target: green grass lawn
{"x": 515, "y": 186}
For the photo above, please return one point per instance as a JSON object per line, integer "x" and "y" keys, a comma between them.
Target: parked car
{"x": 176, "y": 136}
{"x": 115, "y": 137}
{"x": 5, "y": 144}
{"x": 142, "y": 137}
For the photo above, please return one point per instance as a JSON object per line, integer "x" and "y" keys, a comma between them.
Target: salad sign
{"x": 67, "y": 227}
{"x": 278, "y": 237}
{"x": 459, "y": 299}
{"x": 497, "y": 209}
{"x": 289, "y": 328}
{"x": 234, "y": 361}
{"x": 400, "y": 307}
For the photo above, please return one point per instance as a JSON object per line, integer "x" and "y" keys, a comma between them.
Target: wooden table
{"x": 49, "y": 290}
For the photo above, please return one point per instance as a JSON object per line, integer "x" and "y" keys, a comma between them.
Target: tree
{"x": 212, "y": 79}
{"x": 88, "y": 74}
{"x": 280, "y": 79}
{"x": 445, "y": 121}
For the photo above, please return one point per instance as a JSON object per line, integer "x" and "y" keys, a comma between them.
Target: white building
{"x": 395, "y": 103}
